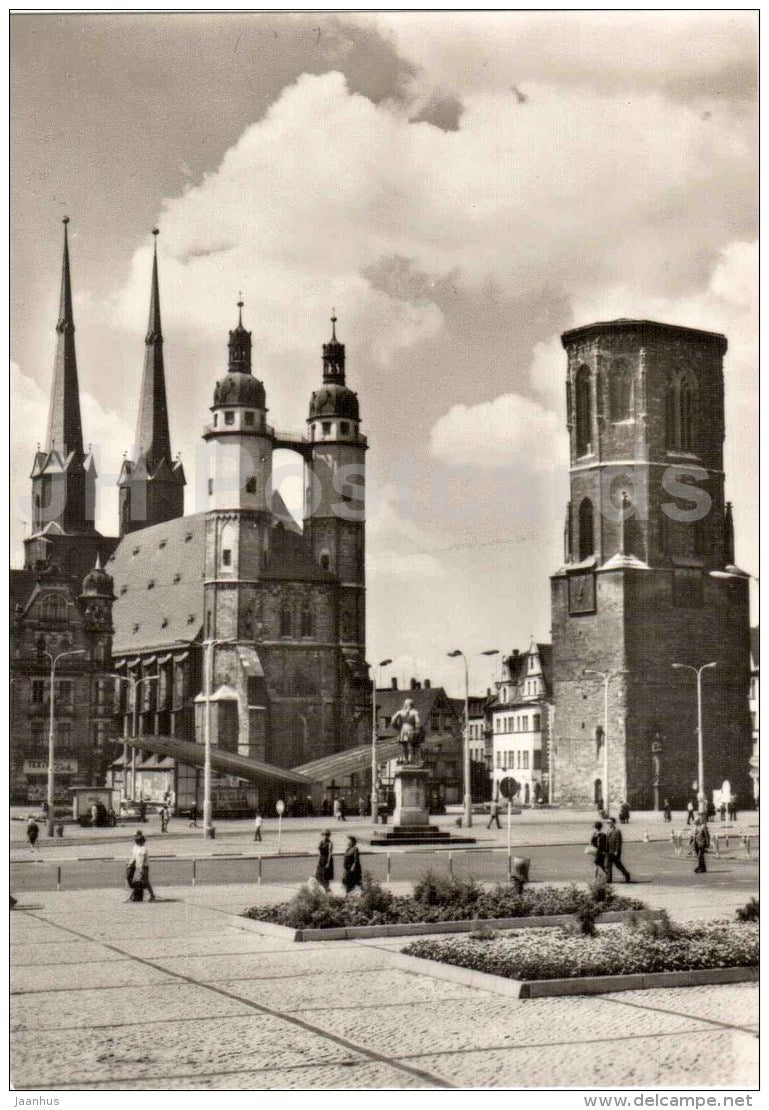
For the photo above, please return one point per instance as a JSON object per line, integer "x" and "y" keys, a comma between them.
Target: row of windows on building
{"x": 69, "y": 741}
{"x": 250, "y": 420}
{"x": 518, "y": 760}
{"x": 680, "y": 406}
{"x": 64, "y": 692}
{"x": 518, "y": 723}
{"x": 530, "y": 687}
{"x": 301, "y": 624}
{"x": 676, "y": 537}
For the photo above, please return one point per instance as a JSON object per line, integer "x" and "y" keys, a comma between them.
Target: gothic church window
{"x": 52, "y": 608}
{"x": 306, "y": 624}
{"x": 285, "y": 621}
{"x": 681, "y": 414}
{"x": 325, "y": 560}
{"x": 586, "y": 532}
{"x": 686, "y": 414}
{"x": 584, "y": 413}
{"x": 620, "y": 391}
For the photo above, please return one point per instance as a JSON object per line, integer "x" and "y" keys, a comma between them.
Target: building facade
{"x": 519, "y": 723}
{"x": 755, "y": 657}
{"x": 648, "y": 579}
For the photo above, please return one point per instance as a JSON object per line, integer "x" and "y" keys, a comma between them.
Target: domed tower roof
{"x": 97, "y": 583}
{"x": 238, "y": 386}
{"x": 334, "y": 398}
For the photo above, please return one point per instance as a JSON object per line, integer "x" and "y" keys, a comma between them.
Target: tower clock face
{"x": 581, "y": 593}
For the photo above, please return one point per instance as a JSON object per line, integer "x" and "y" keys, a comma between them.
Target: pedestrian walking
{"x": 668, "y": 816}
{"x": 614, "y": 852}
{"x": 352, "y": 875}
{"x": 138, "y": 872}
{"x": 733, "y": 809}
{"x": 624, "y": 814}
{"x": 362, "y": 806}
{"x": 324, "y": 872}
{"x": 337, "y": 810}
{"x": 701, "y": 844}
{"x": 342, "y": 809}
{"x": 142, "y": 811}
{"x": 193, "y": 816}
{"x": 258, "y": 826}
{"x": 33, "y": 832}
{"x": 162, "y": 819}
{"x": 689, "y": 812}
{"x": 598, "y": 847}
{"x": 722, "y": 811}
{"x": 494, "y": 810}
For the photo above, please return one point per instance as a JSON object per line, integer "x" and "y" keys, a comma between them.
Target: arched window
{"x": 584, "y": 413}
{"x": 285, "y": 621}
{"x": 306, "y": 622}
{"x": 620, "y": 391}
{"x": 681, "y": 414}
{"x": 325, "y": 560}
{"x": 586, "y": 543}
{"x": 686, "y": 414}
{"x": 671, "y": 437}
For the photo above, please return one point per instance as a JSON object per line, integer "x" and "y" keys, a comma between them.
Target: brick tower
{"x": 648, "y": 578}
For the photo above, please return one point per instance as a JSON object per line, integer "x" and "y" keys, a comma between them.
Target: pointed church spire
{"x": 154, "y": 330}
{"x": 239, "y": 345}
{"x": 65, "y": 432}
{"x": 153, "y": 439}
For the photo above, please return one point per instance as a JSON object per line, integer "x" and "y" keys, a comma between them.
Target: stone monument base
{"x": 411, "y": 821}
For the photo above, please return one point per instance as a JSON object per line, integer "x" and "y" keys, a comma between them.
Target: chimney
{"x": 488, "y": 691}
{"x": 427, "y": 684}
{"x": 415, "y": 685}
{"x": 394, "y": 683}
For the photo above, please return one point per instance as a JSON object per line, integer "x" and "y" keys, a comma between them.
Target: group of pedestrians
{"x": 352, "y": 873}
{"x": 607, "y": 851}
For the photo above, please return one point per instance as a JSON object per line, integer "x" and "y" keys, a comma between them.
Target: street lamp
{"x": 606, "y": 676}
{"x": 374, "y": 792}
{"x": 468, "y": 801}
{"x": 51, "y": 774}
{"x": 134, "y": 683}
{"x": 700, "y": 751}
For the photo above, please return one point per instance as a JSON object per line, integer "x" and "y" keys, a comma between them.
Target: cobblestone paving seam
{"x": 84, "y": 1084}
{"x": 519, "y": 1044}
{"x": 343, "y": 1042}
{"x": 677, "y": 1013}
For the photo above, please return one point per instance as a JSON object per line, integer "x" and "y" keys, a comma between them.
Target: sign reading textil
{"x": 40, "y": 766}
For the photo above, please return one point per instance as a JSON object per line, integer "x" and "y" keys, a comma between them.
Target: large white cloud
{"x": 510, "y": 432}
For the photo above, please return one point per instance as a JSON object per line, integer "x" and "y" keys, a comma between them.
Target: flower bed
{"x": 435, "y": 900}
{"x": 614, "y": 950}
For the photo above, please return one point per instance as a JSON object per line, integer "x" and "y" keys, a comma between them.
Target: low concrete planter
{"x": 432, "y": 928}
{"x": 589, "y": 984}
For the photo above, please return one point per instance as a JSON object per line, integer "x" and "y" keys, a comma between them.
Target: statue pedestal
{"x": 411, "y": 796}
{"x": 411, "y": 819}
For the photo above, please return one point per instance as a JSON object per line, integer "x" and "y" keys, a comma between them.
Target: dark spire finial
{"x": 240, "y": 308}
{"x": 333, "y": 325}
{"x": 240, "y": 344}
{"x": 154, "y": 329}
{"x": 333, "y": 355}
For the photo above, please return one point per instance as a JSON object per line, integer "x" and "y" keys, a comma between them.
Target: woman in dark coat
{"x": 352, "y": 875}
{"x": 324, "y": 872}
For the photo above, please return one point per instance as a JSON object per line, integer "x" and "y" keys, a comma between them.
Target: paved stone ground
{"x": 179, "y": 995}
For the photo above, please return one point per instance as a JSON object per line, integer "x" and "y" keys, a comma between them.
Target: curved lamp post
{"x": 700, "y": 747}
{"x": 606, "y": 677}
{"x": 51, "y": 730}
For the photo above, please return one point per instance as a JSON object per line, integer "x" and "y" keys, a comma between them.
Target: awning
{"x": 193, "y": 755}
{"x": 164, "y": 659}
{"x": 181, "y": 656}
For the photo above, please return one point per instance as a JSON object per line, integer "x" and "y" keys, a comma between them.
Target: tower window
{"x": 210, "y": 486}
{"x": 306, "y": 621}
{"x": 226, "y": 557}
{"x": 680, "y": 414}
{"x": 586, "y": 544}
{"x": 326, "y": 428}
{"x": 325, "y": 560}
{"x": 229, "y": 418}
{"x": 285, "y": 621}
{"x": 251, "y": 485}
{"x": 216, "y": 419}
{"x": 584, "y": 410}
{"x": 344, "y": 428}
{"x": 248, "y": 418}
{"x": 620, "y": 391}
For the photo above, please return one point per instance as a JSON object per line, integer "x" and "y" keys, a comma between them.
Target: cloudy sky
{"x": 462, "y": 187}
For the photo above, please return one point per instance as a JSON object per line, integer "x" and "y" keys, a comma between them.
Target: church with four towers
{"x": 280, "y": 606}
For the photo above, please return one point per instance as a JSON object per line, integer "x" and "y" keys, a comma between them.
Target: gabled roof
{"x": 170, "y": 610}
{"x": 389, "y": 701}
